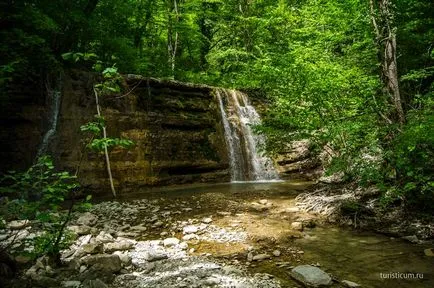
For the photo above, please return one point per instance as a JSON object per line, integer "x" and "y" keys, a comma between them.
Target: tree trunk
{"x": 107, "y": 159}
{"x": 381, "y": 18}
{"x": 172, "y": 38}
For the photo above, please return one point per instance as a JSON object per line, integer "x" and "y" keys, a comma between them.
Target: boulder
{"x": 92, "y": 248}
{"x": 87, "y": 219}
{"x": 79, "y": 230}
{"x": 311, "y": 276}
{"x": 169, "y": 242}
{"x": 104, "y": 237}
{"x": 429, "y": 252}
{"x": 118, "y": 246}
{"x": 190, "y": 229}
{"x": 108, "y": 263}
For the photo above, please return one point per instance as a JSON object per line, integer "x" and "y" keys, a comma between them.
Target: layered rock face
{"x": 175, "y": 127}
{"x": 178, "y": 131}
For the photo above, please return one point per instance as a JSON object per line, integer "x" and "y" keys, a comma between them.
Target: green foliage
{"x": 411, "y": 157}
{"x": 39, "y": 194}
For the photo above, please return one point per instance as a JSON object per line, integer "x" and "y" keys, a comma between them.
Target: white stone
{"x": 18, "y": 224}
{"x": 189, "y": 237}
{"x": 118, "y": 246}
{"x": 190, "y": 229}
{"x": 260, "y": 257}
{"x": 263, "y": 201}
{"x": 183, "y": 245}
{"x": 169, "y": 242}
{"x": 350, "y": 284}
{"x": 207, "y": 220}
{"x": 297, "y": 226}
{"x": 276, "y": 253}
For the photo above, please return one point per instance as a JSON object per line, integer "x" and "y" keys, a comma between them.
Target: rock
{"x": 118, "y": 246}
{"x": 311, "y": 276}
{"x": 87, "y": 219}
{"x": 292, "y": 209}
{"x": 44, "y": 281}
{"x": 169, "y": 242}
{"x": 124, "y": 257}
{"x": 158, "y": 224}
{"x": 183, "y": 245}
{"x": 18, "y": 224}
{"x": 429, "y": 252}
{"x": 261, "y": 257}
{"x": 276, "y": 253}
{"x": 191, "y": 251}
{"x": 79, "y": 230}
{"x": 164, "y": 233}
{"x": 104, "y": 237}
{"x": 350, "y": 284}
{"x": 108, "y": 263}
{"x": 94, "y": 284}
{"x": 189, "y": 237}
{"x": 207, "y": 220}
{"x": 250, "y": 256}
{"x": 20, "y": 259}
{"x": 139, "y": 228}
{"x": 92, "y": 248}
{"x": 297, "y": 226}
{"x": 71, "y": 284}
{"x": 412, "y": 238}
{"x": 190, "y": 229}
{"x": 263, "y": 201}
{"x": 83, "y": 240}
{"x": 258, "y": 207}
{"x": 155, "y": 255}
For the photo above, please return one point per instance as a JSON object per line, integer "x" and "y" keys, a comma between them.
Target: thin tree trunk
{"x": 107, "y": 159}
{"x": 172, "y": 44}
{"x": 386, "y": 41}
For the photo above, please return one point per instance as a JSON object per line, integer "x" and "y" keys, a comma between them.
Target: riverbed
{"x": 251, "y": 219}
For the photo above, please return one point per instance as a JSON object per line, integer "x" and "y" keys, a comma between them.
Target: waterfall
{"x": 54, "y": 97}
{"x": 238, "y": 115}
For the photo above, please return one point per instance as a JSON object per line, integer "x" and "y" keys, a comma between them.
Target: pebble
{"x": 207, "y": 220}
{"x": 297, "y": 226}
{"x": 263, "y": 201}
{"x": 260, "y": 257}
{"x": 276, "y": 253}
{"x": 350, "y": 284}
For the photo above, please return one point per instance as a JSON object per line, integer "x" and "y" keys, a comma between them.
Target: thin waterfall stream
{"x": 54, "y": 97}
{"x": 246, "y": 161}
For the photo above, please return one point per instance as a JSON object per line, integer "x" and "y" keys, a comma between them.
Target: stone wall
{"x": 175, "y": 127}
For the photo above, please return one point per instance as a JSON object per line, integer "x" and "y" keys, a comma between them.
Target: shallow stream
{"x": 264, "y": 212}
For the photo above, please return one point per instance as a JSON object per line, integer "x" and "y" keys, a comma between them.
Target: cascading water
{"x": 246, "y": 163}
{"x": 54, "y": 96}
